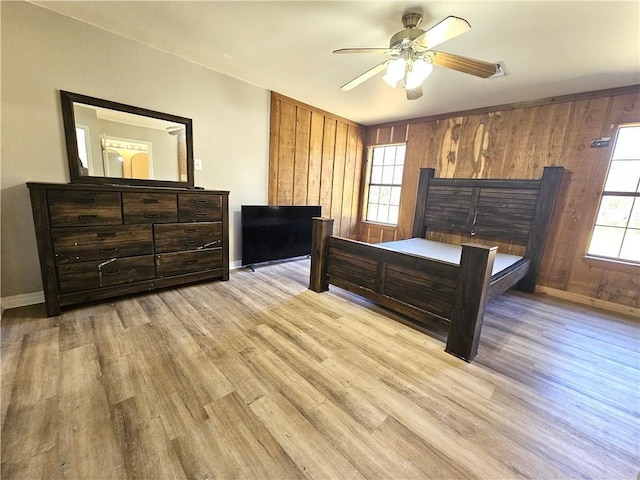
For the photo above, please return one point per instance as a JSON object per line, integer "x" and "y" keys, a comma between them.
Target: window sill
{"x": 380, "y": 225}
{"x": 617, "y": 265}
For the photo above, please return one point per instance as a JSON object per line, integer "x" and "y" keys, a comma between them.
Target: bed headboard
{"x": 514, "y": 210}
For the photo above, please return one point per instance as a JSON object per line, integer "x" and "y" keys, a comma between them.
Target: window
{"x": 616, "y": 233}
{"x": 382, "y": 196}
{"x": 82, "y": 135}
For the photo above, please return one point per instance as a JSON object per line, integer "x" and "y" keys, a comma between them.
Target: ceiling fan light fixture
{"x": 395, "y": 71}
{"x": 392, "y": 82}
{"x": 420, "y": 70}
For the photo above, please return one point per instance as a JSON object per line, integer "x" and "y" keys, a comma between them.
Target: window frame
{"x": 367, "y": 183}
{"x": 597, "y": 260}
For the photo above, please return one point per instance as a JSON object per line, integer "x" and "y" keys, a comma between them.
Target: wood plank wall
{"x": 517, "y": 141}
{"x": 316, "y": 158}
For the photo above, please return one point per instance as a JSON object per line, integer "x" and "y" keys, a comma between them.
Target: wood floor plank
{"x": 255, "y": 450}
{"x": 109, "y": 335}
{"x": 145, "y": 446}
{"x": 45, "y": 466}
{"x": 285, "y": 320}
{"x": 246, "y": 383}
{"x": 118, "y": 379}
{"x": 201, "y": 455}
{"x": 87, "y": 449}
{"x": 75, "y": 330}
{"x": 10, "y": 357}
{"x": 356, "y": 443}
{"x": 416, "y": 455}
{"x": 423, "y": 423}
{"x": 285, "y": 379}
{"x": 358, "y": 406}
{"x": 259, "y": 377}
{"x": 38, "y": 367}
{"x": 131, "y": 312}
{"x": 38, "y": 427}
{"x": 313, "y": 453}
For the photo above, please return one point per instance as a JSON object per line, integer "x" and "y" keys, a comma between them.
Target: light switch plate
{"x": 197, "y": 164}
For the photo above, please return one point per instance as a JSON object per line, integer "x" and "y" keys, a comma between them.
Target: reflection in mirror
{"x": 109, "y": 142}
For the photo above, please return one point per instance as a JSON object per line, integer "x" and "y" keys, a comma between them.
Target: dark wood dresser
{"x": 101, "y": 241}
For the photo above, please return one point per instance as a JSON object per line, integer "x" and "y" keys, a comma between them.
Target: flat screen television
{"x": 276, "y": 232}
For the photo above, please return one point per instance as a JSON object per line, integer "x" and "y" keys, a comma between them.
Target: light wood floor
{"x": 259, "y": 377}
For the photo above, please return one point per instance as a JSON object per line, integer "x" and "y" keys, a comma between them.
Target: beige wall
{"x": 43, "y": 52}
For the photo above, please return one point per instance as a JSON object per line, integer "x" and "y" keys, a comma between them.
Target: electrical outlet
{"x": 197, "y": 164}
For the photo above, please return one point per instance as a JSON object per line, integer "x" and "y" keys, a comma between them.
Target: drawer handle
{"x": 151, "y": 215}
{"x": 150, "y": 200}
{"x": 210, "y": 244}
{"x": 111, "y": 273}
{"x": 201, "y": 202}
{"x": 191, "y": 243}
{"x": 106, "y": 234}
{"x": 109, "y": 250}
{"x": 86, "y": 200}
{"x": 190, "y": 262}
{"x": 201, "y": 215}
{"x": 190, "y": 230}
{"x": 87, "y": 217}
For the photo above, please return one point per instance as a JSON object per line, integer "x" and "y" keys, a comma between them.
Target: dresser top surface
{"x": 120, "y": 188}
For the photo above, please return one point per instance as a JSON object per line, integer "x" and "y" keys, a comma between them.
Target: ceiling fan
{"x": 412, "y": 58}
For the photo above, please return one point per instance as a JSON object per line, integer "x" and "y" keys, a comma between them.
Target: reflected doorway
{"x": 126, "y": 158}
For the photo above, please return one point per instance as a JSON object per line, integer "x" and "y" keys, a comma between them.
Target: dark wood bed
{"x": 423, "y": 280}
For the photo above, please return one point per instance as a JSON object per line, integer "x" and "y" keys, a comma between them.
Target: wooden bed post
{"x": 322, "y": 230}
{"x": 470, "y": 300}
{"x": 419, "y": 228}
{"x": 549, "y": 186}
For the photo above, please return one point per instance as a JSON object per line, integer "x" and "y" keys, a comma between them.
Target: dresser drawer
{"x": 67, "y": 237}
{"x": 72, "y": 245}
{"x": 168, "y": 264}
{"x": 72, "y": 208}
{"x": 199, "y": 208}
{"x": 83, "y": 253}
{"x": 75, "y": 277}
{"x": 173, "y": 237}
{"x": 149, "y": 207}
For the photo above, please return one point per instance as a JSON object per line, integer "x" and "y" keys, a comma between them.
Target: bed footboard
{"x": 423, "y": 289}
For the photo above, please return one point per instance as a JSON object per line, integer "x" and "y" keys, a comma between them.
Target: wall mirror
{"x": 114, "y": 143}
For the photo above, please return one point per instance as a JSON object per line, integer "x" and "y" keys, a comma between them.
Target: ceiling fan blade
{"x": 414, "y": 93}
{"x": 364, "y": 50}
{"x": 464, "y": 64}
{"x": 365, "y": 76}
{"x": 447, "y": 29}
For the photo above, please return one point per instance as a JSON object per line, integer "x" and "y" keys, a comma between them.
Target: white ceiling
{"x": 549, "y": 48}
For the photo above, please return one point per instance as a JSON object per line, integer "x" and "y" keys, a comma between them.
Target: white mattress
{"x": 445, "y": 252}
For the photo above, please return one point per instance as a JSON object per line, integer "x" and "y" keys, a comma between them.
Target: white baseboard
{"x": 21, "y": 300}
{"x": 235, "y": 265}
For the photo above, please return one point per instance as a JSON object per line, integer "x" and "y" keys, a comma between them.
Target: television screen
{"x": 276, "y": 232}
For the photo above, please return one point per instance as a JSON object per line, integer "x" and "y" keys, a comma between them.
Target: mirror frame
{"x": 68, "y": 118}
